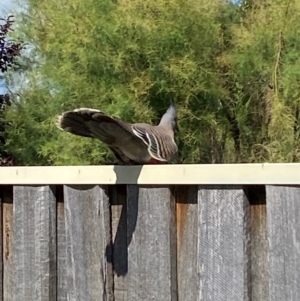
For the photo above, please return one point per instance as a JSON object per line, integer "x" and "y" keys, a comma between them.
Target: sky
{"x": 5, "y": 5}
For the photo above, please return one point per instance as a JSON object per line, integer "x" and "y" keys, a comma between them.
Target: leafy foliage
{"x": 9, "y": 50}
{"x": 9, "y": 53}
{"x": 232, "y": 70}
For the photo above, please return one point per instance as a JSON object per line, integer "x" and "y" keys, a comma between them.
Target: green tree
{"x": 232, "y": 70}
{"x": 9, "y": 52}
{"x": 129, "y": 59}
{"x": 263, "y": 79}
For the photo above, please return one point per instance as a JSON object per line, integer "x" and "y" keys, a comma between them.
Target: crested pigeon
{"x": 137, "y": 143}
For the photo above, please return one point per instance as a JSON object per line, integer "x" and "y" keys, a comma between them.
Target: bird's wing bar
{"x": 150, "y": 140}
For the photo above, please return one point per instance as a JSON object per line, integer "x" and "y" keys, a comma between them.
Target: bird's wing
{"x": 96, "y": 124}
{"x": 120, "y": 135}
{"x": 160, "y": 145}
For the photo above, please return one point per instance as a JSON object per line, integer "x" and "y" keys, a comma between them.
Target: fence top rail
{"x": 173, "y": 174}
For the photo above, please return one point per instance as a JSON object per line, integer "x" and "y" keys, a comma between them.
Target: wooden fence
{"x": 230, "y": 237}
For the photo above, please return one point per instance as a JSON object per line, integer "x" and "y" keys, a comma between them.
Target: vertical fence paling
{"x": 224, "y": 244}
{"x": 7, "y": 244}
{"x": 118, "y": 247}
{"x": 128, "y": 243}
{"x": 188, "y": 277}
{"x": 259, "y": 245}
{"x": 34, "y": 245}
{"x": 62, "y": 283}
{"x": 87, "y": 223}
{"x": 151, "y": 244}
{"x": 283, "y": 209}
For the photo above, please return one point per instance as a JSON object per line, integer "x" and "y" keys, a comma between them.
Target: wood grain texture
{"x": 151, "y": 244}
{"x": 8, "y": 262}
{"x": 3, "y": 194}
{"x": 34, "y": 245}
{"x": 88, "y": 233}
{"x": 283, "y": 211}
{"x": 7, "y": 239}
{"x": 188, "y": 278}
{"x": 159, "y": 174}
{"x": 259, "y": 245}
{"x": 224, "y": 250}
{"x": 61, "y": 246}
{"x": 61, "y": 254}
{"x": 119, "y": 246}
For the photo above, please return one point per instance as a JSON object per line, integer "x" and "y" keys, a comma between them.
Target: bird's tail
{"x": 76, "y": 121}
{"x": 94, "y": 124}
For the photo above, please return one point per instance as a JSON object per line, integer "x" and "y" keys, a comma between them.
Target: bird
{"x": 131, "y": 144}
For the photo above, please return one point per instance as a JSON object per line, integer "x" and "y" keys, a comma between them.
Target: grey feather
{"x": 131, "y": 143}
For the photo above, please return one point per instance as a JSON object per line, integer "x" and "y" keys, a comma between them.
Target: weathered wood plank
{"x": 7, "y": 230}
{"x": 259, "y": 244}
{"x": 283, "y": 212}
{"x": 8, "y": 264}
{"x": 187, "y": 242}
{"x": 119, "y": 247}
{"x": 61, "y": 248}
{"x": 3, "y": 194}
{"x": 88, "y": 233}
{"x": 34, "y": 243}
{"x": 151, "y": 244}
{"x": 61, "y": 254}
{"x": 159, "y": 174}
{"x": 224, "y": 250}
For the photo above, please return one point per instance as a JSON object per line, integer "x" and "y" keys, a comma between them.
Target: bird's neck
{"x": 167, "y": 126}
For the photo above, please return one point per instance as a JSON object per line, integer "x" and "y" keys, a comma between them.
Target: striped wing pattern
{"x": 160, "y": 145}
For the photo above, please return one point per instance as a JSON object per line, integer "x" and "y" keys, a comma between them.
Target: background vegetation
{"x": 233, "y": 70}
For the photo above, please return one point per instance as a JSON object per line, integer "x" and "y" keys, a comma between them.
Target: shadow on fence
{"x": 130, "y": 242}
